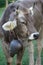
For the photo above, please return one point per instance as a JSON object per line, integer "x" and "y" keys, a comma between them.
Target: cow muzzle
{"x": 34, "y": 36}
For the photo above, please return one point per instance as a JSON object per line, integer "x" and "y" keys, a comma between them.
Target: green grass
{"x": 1, "y": 11}
{"x": 25, "y": 60}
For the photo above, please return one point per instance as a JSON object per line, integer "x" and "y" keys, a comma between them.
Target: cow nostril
{"x": 36, "y": 36}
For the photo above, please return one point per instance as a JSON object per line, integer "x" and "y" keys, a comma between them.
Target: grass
{"x": 1, "y": 11}
{"x": 25, "y": 60}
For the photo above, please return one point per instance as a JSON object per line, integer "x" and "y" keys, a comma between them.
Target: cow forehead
{"x": 21, "y": 14}
{"x": 26, "y": 11}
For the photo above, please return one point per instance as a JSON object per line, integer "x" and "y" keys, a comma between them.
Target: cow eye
{"x": 23, "y": 22}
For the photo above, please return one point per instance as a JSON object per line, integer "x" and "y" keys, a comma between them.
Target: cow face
{"x": 25, "y": 27}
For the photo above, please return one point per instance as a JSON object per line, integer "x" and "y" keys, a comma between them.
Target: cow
{"x": 28, "y": 27}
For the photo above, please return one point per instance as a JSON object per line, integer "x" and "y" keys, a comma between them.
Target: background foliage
{"x": 3, "y": 2}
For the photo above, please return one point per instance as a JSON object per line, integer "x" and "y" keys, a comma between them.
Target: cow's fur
{"x": 33, "y": 22}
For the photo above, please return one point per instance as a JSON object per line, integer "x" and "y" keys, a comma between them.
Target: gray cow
{"x": 29, "y": 25}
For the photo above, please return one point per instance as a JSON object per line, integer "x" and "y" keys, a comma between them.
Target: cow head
{"x": 21, "y": 21}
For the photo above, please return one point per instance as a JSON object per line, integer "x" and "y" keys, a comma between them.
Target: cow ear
{"x": 30, "y": 10}
{"x": 10, "y": 25}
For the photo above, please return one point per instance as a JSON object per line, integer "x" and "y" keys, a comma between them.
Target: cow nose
{"x": 36, "y": 36}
